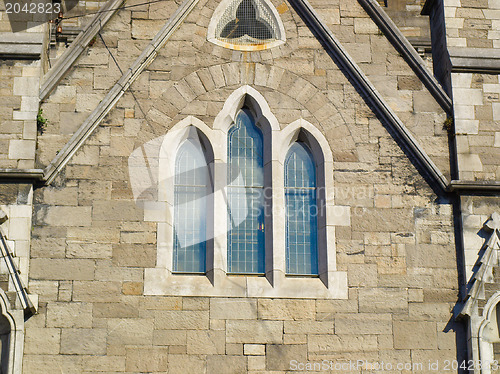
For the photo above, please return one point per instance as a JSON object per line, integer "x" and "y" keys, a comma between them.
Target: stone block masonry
{"x": 92, "y": 243}
{"x": 18, "y": 110}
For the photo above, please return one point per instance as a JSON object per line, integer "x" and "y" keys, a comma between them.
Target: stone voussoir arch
{"x": 206, "y": 80}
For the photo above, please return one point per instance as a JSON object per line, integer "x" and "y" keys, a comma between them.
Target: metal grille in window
{"x": 247, "y": 22}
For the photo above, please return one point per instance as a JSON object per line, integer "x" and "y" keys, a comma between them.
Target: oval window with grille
{"x": 246, "y": 25}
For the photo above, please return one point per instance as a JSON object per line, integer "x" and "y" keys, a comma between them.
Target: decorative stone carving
{"x": 493, "y": 223}
{"x": 488, "y": 261}
{"x": 3, "y": 216}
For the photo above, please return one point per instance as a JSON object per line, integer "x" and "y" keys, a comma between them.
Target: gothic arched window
{"x": 247, "y": 203}
{"x": 190, "y": 209}
{"x": 246, "y": 242}
{"x": 301, "y": 211}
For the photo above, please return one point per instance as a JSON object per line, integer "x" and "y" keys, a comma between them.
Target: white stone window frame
{"x": 487, "y": 327}
{"x": 330, "y": 284}
{"x": 16, "y": 337}
{"x": 193, "y": 128}
{"x": 280, "y": 39}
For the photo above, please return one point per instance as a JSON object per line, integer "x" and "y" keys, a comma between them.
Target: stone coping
{"x": 34, "y": 174}
{"x": 482, "y": 186}
{"x": 21, "y": 46}
{"x": 475, "y": 60}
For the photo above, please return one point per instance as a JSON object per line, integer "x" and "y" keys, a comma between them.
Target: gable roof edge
{"x": 335, "y": 49}
{"x": 403, "y": 46}
{"x": 117, "y": 91}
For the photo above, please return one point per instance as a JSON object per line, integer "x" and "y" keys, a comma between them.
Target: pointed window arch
{"x": 5, "y": 332}
{"x": 190, "y": 209}
{"x": 301, "y": 211}
{"x": 246, "y": 241}
{"x": 488, "y": 334}
{"x": 246, "y": 25}
{"x": 496, "y": 345}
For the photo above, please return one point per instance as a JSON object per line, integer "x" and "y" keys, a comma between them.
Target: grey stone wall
{"x": 91, "y": 244}
{"x": 472, "y": 28}
{"x": 390, "y": 75}
{"x": 477, "y": 125}
{"x": 471, "y": 38}
{"x": 474, "y": 23}
{"x": 19, "y": 82}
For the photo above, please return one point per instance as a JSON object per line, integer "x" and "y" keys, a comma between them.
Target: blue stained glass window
{"x": 190, "y": 209}
{"x": 246, "y": 248}
{"x": 301, "y": 211}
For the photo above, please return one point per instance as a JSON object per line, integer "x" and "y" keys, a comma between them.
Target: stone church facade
{"x": 396, "y": 107}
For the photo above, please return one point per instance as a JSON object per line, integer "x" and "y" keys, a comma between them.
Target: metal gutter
{"x": 403, "y": 46}
{"x": 426, "y": 9}
{"x": 336, "y": 51}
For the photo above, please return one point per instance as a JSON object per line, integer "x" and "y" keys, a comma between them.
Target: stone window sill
{"x": 158, "y": 281}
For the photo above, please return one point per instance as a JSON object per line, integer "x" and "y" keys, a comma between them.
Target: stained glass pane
{"x": 245, "y": 196}
{"x": 190, "y": 209}
{"x": 301, "y": 211}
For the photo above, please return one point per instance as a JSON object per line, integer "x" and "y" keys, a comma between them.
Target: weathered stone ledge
{"x": 34, "y": 174}
{"x": 482, "y": 186}
{"x": 22, "y": 46}
{"x": 484, "y": 60}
